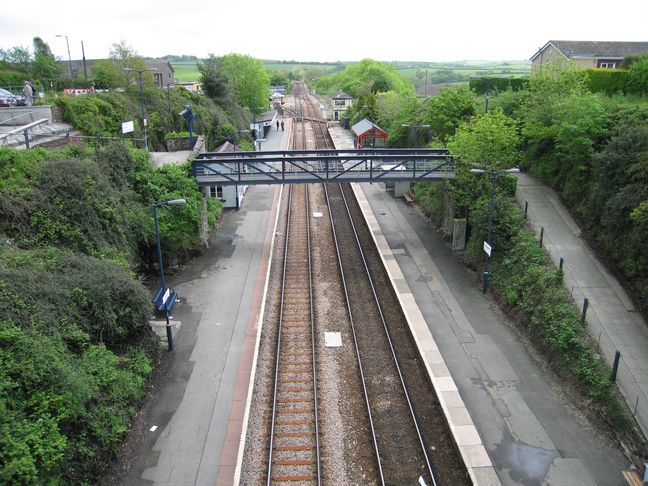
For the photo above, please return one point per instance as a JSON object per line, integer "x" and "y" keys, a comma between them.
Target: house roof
{"x": 341, "y": 95}
{"x": 595, "y": 49}
{"x": 364, "y": 125}
{"x": 160, "y": 64}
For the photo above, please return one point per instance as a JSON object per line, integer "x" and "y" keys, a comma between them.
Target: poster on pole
{"x": 128, "y": 127}
{"x": 487, "y": 249}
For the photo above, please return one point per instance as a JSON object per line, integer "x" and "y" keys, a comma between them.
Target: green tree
{"x": 44, "y": 68}
{"x": 248, "y": 79}
{"x": 124, "y": 56}
{"x": 212, "y": 79}
{"x": 447, "y": 110}
{"x": 107, "y": 75}
{"x": 488, "y": 141}
{"x": 17, "y": 57}
{"x": 368, "y": 76}
{"x": 638, "y": 76}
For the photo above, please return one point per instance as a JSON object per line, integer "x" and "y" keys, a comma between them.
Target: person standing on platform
{"x": 282, "y": 125}
{"x": 28, "y": 92}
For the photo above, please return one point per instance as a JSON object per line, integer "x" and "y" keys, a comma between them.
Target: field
{"x": 186, "y": 70}
{"x": 436, "y": 72}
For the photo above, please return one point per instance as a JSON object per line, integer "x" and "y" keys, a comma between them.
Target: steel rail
{"x": 391, "y": 345}
{"x": 285, "y": 274}
{"x": 279, "y": 330}
{"x": 355, "y": 340}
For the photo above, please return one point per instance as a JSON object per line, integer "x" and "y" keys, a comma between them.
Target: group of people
{"x": 29, "y": 92}
{"x": 280, "y": 125}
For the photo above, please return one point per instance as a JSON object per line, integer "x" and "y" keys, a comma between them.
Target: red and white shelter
{"x": 366, "y": 134}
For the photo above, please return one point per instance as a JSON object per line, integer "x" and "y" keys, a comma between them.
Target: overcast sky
{"x": 404, "y": 30}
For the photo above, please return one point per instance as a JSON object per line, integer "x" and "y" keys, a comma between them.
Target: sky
{"x": 324, "y": 31}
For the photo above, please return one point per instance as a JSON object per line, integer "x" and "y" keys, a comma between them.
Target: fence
{"x": 627, "y": 378}
{"x": 29, "y": 139}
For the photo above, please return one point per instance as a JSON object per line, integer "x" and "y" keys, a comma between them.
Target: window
{"x": 608, "y": 65}
{"x": 216, "y": 192}
{"x": 340, "y": 103}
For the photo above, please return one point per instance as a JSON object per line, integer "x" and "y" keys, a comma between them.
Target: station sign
{"x": 488, "y": 249}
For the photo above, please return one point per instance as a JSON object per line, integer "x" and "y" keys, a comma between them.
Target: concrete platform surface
{"x": 199, "y": 412}
{"x": 611, "y": 316}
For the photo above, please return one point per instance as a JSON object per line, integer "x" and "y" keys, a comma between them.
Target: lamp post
{"x": 488, "y": 242}
{"x": 189, "y": 114}
{"x": 141, "y": 90}
{"x": 162, "y": 295}
{"x": 67, "y": 42}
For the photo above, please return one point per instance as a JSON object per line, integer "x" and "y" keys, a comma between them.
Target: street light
{"x": 141, "y": 90}
{"x": 488, "y": 242}
{"x": 189, "y": 114}
{"x": 69, "y": 57}
{"x": 164, "y": 295}
{"x": 488, "y": 80}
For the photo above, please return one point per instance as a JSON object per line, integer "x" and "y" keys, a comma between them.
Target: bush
{"x": 75, "y": 351}
{"x": 638, "y": 77}
{"x": 523, "y": 279}
{"x": 478, "y": 85}
{"x": 608, "y": 81}
{"x": 429, "y": 196}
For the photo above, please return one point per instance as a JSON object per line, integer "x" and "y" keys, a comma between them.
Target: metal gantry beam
{"x": 312, "y": 166}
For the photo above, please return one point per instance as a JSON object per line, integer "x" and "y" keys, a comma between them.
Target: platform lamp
{"x": 67, "y": 42}
{"x": 488, "y": 242}
{"x": 164, "y": 298}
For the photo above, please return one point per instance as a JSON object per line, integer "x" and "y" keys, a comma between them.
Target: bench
{"x": 409, "y": 197}
{"x": 633, "y": 478}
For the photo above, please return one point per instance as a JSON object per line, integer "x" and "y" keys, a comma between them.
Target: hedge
{"x": 497, "y": 84}
{"x": 608, "y": 81}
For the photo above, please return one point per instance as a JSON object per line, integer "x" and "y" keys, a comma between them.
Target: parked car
{"x": 7, "y": 98}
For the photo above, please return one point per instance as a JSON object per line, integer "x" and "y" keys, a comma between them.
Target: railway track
{"x": 294, "y": 449}
{"x": 400, "y": 434}
{"x": 401, "y": 454}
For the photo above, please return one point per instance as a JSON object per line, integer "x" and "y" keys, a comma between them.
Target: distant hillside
{"x": 422, "y": 74}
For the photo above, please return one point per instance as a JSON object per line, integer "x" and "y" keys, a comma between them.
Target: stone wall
{"x": 22, "y": 115}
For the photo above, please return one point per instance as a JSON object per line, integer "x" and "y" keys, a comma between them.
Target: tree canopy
{"x": 248, "y": 79}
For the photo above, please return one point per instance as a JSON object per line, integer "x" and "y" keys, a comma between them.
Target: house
{"x": 366, "y": 134}
{"x": 163, "y": 72}
{"x": 341, "y": 102}
{"x": 589, "y": 54}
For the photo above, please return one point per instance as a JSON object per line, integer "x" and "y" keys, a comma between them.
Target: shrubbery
{"x": 75, "y": 351}
{"x": 75, "y": 344}
{"x": 479, "y": 85}
{"x": 608, "y": 81}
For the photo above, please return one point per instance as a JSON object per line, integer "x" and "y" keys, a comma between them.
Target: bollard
{"x": 526, "y": 208}
{"x": 615, "y": 366}
{"x": 169, "y": 332}
{"x": 541, "y": 236}
{"x": 562, "y": 262}
{"x": 26, "y": 139}
{"x": 585, "y": 305}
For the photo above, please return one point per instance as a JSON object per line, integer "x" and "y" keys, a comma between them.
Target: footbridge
{"x": 312, "y": 166}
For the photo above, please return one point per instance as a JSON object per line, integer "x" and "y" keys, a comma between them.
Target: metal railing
{"x": 623, "y": 374}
